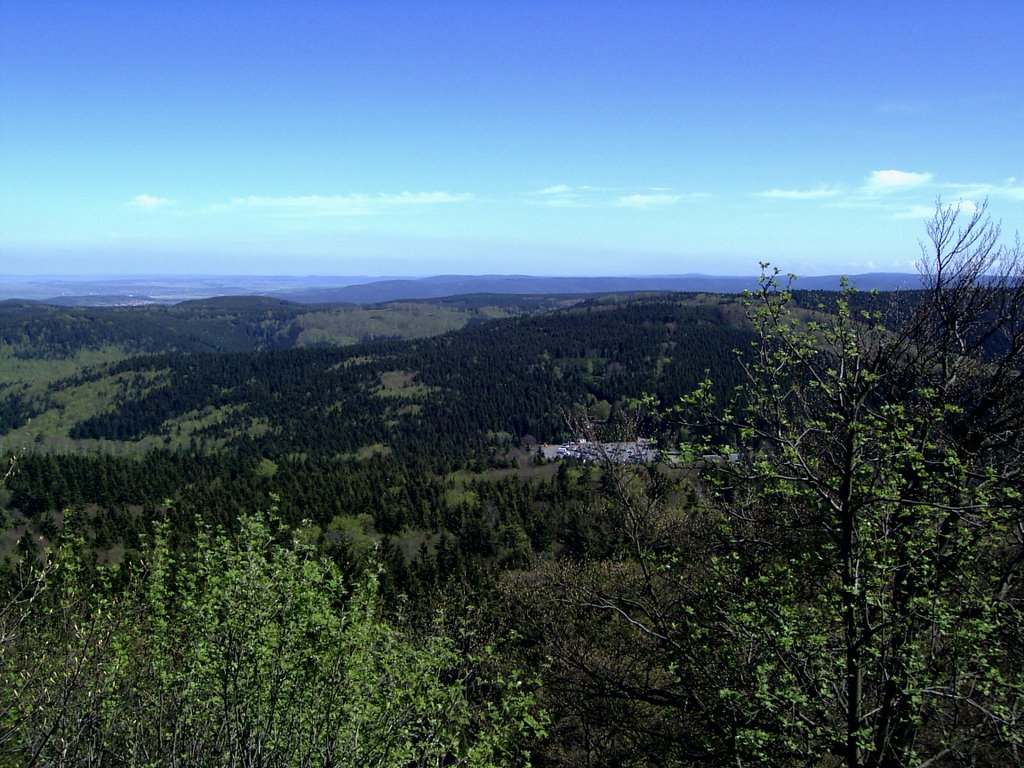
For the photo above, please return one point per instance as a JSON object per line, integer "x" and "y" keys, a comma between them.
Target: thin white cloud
{"x": 588, "y": 196}
{"x": 892, "y": 180}
{"x": 655, "y": 200}
{"x": 150, "y": 201}
{"x": 556, "y": 189}
{"x": 818, "y": 193}
{"x": 570, "y": 189}
{"x": 1008, "y": 190}
{"x": 347, "y": 205}
{"x": 565, "y": 196}
{"x": 901, "y": 195}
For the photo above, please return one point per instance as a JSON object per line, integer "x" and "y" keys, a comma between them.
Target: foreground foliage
{"x": 247, "y": 652}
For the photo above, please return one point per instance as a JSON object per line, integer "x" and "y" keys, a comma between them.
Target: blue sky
{"x": 416, "y": 138}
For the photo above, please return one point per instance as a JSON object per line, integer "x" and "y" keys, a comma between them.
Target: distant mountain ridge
{"x": 455, "y": 285}
{"x": 85, "y": 291}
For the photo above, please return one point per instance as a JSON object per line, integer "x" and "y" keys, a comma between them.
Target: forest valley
{"x": 247, "y": 532}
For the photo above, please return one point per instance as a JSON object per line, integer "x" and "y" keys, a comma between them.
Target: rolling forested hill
{"x": 440, "y": 396}
{"x": 35, "y": 330}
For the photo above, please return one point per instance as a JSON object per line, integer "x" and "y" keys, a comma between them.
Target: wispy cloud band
{"x": 817, "y": 193}
{"x": 346, "y": 205}
{"x": 150, "y": 201}
{"x": 892, "y": 180}
{"x": 586, "y": 196}
{"x": 901, "y": 194}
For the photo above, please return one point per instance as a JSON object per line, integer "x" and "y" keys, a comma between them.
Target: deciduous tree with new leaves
{"x": 880, "y": 462}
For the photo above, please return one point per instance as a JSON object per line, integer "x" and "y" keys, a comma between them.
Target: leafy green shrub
{"x": 247, "y": 652}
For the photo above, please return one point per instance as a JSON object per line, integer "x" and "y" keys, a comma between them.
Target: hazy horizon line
{"x": 423, "y": 276}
